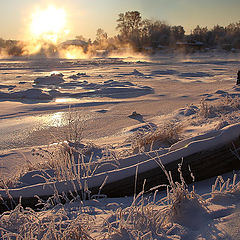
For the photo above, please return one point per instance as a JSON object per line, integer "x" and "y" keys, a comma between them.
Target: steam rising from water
{"x": 40, "y": 48}
{"x": 47, "y": 29}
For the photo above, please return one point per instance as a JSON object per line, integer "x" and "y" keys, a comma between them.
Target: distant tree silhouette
{"x": 177, "y": 33}
{"x": 146, "y": 35}
{"x": 199, "y": 34}
{"x": 101, "y": 36}
{"x": 129, "y": 25}
{"x": 2, "y": 43}
{"x": 155, "y": 33}
{"x": 233, "y": 35}
{"x": 15, "y": 50}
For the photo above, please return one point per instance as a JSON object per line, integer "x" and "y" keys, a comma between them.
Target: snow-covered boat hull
{"x": 206, "y": 156}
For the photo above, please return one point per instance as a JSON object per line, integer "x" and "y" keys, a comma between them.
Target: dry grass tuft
{"x": 227, "y": 104}
{"x": 26, "y": 224}
{"x": 151, "y": 219}
{"x": 151, "y": 139}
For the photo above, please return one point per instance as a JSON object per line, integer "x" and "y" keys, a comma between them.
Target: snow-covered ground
{"x": 121, "y": 104}
{"x": 109, "y": 89}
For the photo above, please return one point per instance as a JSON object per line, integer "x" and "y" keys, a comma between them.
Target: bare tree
{"x": 101, "y": 36}
{"x": 129, "y": 24}
{"x": 177, "y": 32}
{"x": 156, "y": 33}
{"x": 200, "y": 33}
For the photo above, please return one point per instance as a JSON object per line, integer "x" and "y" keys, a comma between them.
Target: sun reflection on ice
{"x": 65, "y": 100}
{"x": 57, "y": 119}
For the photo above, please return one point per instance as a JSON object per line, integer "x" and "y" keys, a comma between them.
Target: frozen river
{"x": 35, "y": 94}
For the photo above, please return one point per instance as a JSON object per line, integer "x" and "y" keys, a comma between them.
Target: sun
{"x": 48, "y": 24}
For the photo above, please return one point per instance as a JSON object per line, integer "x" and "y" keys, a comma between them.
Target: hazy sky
{"x": 86, "y": 16}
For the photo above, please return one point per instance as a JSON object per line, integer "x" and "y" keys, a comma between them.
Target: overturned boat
{"x": 203, "y": 156}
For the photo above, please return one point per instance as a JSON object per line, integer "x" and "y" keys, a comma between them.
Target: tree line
{"x": 145, "y": 34}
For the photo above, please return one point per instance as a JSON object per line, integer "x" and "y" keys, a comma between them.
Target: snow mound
{"x": 27, "y": 94}
{"x": 190, "y": 213}
{"x": 120, "y": 92}
{"x": 189, "y": 110}
{"x": 113, "y": 89}
{"x": 221, "y": 92}
{"x": 9, "y": 87}
{"x": 164, "y": 72}
{"x": 53, "y": 79}
{"x": 78, "y": 75}
{"x": 137, "y": 73}
{"x": 195, "y": 74}
{"x": 4, "y": 95}
{"x": 55, "y": 93}
{"x": 32, "y": 94}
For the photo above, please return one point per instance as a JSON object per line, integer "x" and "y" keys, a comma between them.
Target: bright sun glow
{"x": 49, "y": 24}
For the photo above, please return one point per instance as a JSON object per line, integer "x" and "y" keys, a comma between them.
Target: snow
{"x": 53, "y": 79}
{"x": 215, "y": 215}
{"x": 117, "y": 98}
{"x": 127, "y": 167}
{"x": 36, "y": 177}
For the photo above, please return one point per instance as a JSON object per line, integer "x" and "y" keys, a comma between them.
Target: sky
{"x": 84, "y": 17}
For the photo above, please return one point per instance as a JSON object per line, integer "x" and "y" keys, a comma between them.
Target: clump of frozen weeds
{"x": 149, "y": 139}
{"x": 225, "y": 105}
{"x": 222, "y": 189}
{"x": 26, "y": 224}
{"x": 181, "y": 209}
